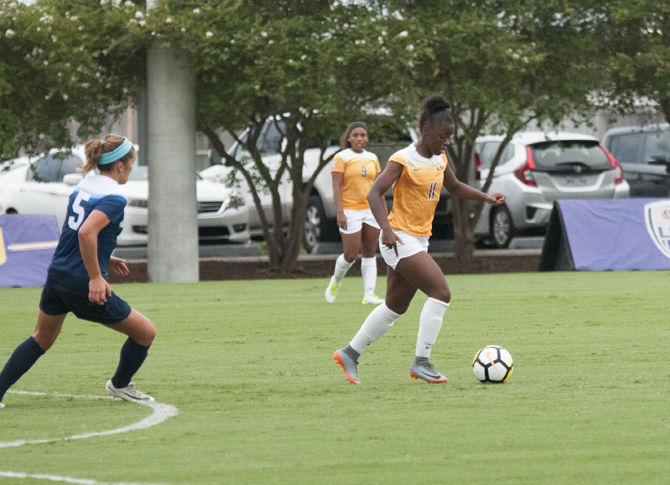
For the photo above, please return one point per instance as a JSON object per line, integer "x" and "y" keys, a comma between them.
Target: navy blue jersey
{"x": 95, "y": 192}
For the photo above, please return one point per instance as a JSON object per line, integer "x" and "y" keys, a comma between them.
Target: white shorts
{"x": 410, "y": 246}
{"x": 356, "y": 219}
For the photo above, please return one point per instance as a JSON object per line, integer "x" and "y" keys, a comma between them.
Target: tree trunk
{"x": 464, "y": 234}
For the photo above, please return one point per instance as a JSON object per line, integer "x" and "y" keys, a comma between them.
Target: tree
{"x": 635, "y": 41}
{"x": 64, "y": 60}
{"x": 308, "y": 67}
{"x": 501, "y": 64}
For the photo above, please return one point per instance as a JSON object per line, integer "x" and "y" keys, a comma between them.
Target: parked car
{"x": 644, "y": 153}
{"x": 536, "y": 169}
{"x": 320, "y": 222}
{"x": 43, "y": 185}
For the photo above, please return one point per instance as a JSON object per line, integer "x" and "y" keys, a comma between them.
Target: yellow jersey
{"x": 417, "y": 191}
{"x": 359, "y": 172}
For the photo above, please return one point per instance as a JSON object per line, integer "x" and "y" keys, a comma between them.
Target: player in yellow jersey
{"x": 417, "y": 173}
{"x": 354, "y": 173}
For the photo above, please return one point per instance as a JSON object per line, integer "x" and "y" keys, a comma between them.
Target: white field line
{"x": 57, "y": 478}
{"x": 160, "y": 413}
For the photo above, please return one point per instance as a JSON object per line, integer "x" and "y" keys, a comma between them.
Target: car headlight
{"x": 138, "y": 203}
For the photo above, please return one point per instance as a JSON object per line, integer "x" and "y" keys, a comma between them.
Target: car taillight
{"x": 525, "y": 173}
{"x": 478, "y": 167}
{"x": 614, "y": 164}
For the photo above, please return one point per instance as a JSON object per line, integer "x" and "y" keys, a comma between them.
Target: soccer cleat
{"x": 349, "y": 366}
{"x": 372, "y": 299}
{"x": 2, "y": 405}
{"x": 426, "y": 372}
{"x": 331, "y": 290}
{"x": 128, "y": 393}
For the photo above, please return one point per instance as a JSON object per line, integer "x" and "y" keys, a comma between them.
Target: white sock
{"x": 341, "y": 267}
{"x": 430, "y": 323}
{"x": 378, "y": 322}
{"x": 369, "y": 273}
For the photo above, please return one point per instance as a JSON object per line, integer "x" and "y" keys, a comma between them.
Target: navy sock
{"x": 132, "y": 357}
{"x": 23, "y": 358}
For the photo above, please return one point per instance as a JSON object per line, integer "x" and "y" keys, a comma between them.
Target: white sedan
{"x": 43, "y": 185}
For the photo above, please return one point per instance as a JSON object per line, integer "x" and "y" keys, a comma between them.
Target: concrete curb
{"x": 321, "y": 266}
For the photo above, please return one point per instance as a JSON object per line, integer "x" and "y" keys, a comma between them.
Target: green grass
{"x": 248, "y": 366}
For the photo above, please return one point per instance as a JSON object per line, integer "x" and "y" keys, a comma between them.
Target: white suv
{"x": 536, "y": 169}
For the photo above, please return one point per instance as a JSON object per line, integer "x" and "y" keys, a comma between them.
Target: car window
{"x": 70, "y": 164}
{"x": 488, "y": 150}
{"x": 559, "y": 155}
{"x": 45, "y": 169}
{"x": 656, "y": 145}
{"x": 271, "y": 140}
{"x": 626, "y": 148}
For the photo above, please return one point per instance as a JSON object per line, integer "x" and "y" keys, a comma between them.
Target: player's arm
{"x": 464, "y": 191}
{"x": 377, "y": 201}
{"x": 338, "y": 179}
{"x": 98, "y": 287}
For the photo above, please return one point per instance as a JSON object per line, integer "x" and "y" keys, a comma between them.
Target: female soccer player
{"x": 354, "y": 172}
{"x": 77, "y": 277}
{"x": 417, "y": 174}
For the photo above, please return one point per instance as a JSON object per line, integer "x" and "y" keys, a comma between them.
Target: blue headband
{"x": 119, "y": 152}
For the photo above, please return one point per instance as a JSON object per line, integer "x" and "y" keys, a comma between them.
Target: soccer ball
{"x": 492, "y": 364}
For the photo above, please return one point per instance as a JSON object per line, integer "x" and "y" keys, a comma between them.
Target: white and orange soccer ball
{"x": 493, "y": 365}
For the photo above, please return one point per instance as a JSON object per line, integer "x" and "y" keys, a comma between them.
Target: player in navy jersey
{"x": 77, "y": 277}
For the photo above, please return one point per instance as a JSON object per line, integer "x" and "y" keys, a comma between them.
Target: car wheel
{"x": 315, "y": 219}
{"x": 502, "y": 227}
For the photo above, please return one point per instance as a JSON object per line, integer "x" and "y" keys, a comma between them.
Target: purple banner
{"x": 27, "y": 244}
{"x": 618, "y": 234}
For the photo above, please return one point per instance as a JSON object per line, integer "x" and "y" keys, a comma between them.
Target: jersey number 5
{"x": 72, "y": 221}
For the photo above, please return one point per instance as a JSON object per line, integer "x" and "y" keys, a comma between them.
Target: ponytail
{"x": 435, "y": 108}
{"x": 94, "y": 150}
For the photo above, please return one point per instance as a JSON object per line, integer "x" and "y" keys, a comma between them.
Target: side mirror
{"x": 72, "y": 178}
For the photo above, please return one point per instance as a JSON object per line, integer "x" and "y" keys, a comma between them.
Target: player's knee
{"x": 44, "y": 339}
{"x": 350, "y": 257}
{"x": 149, "y": 333}
{"x": 443, "y": 294}
{"x": 396, "y": 306}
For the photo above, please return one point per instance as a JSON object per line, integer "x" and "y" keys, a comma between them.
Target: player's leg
{"x": 399, "y": 294}
{"x": 423, "y": 272}
{"x": 351, "y": 248}
{"x": 369, "y": 241}
{"x": 141, "y": 333}
{"x": 26, "y": 354}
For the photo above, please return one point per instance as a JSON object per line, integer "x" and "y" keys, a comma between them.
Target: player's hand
{"x": 497, "y": 199}
{"x": 99, "y": 290}
{"x": 341, "y": 220}
{"x": 391, "y": 240}
{"x": 119, "y": 266}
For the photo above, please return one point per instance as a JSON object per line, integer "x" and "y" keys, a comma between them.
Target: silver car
{"x": 536, "y": 169}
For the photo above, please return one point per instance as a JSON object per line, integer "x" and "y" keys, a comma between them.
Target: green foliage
{"x": 247, "y": 363}
{"x": 501, "y": 64}
{"x": 310, "y": 67}
{"x": 636, "y": 46}
{"x": 64, "y": 60}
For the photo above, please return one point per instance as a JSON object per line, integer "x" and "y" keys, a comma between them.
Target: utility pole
{"x": 173, "y": 226}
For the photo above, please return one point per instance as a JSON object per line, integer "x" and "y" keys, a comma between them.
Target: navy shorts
{"x": 62, "y": 295}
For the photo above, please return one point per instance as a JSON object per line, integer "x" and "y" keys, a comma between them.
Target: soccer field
{"x": 247, "y": 366}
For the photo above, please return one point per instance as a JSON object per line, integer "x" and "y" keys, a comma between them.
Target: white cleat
{"x": 128, "y": 393}
{"x": 331, "y": 290}
{"x": 2, "y": 405}
{"x": 372, "y": 299}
